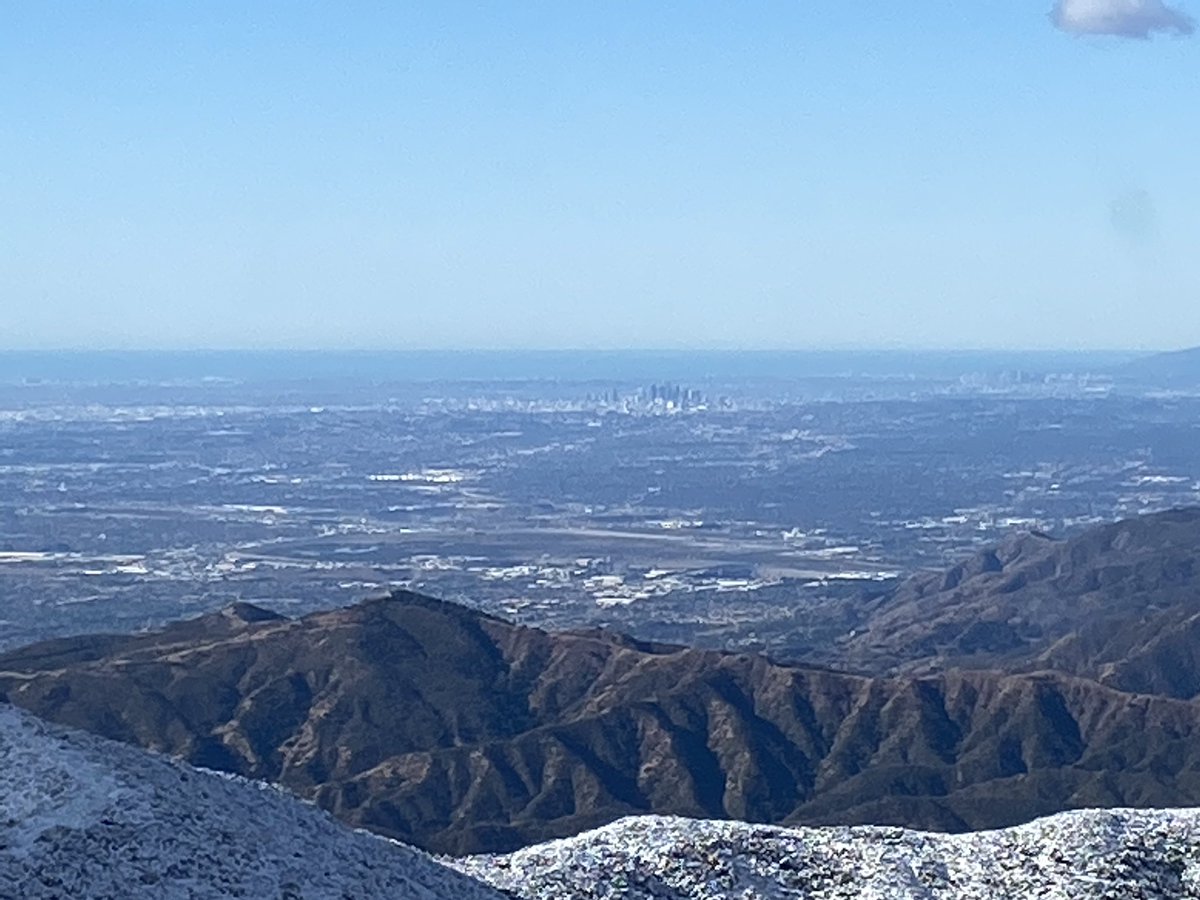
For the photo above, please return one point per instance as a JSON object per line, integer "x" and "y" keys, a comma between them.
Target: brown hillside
{"x": 461, "y": 732}
{"x": 1119, "y": 604}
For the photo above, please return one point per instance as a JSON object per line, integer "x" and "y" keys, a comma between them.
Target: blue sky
{"x": 617, "y": 174}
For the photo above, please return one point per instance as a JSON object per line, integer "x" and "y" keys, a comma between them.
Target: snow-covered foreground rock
{"x": 1094, "y": 854}
{"x": 85, "y": 818}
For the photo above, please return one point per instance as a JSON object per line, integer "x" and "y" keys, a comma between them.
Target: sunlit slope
{"x": 461, "y": 732}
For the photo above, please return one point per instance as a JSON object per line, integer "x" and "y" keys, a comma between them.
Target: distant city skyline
{"x": 774, "y": 176}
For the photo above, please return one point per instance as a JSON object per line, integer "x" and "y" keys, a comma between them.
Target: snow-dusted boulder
{"x": 1131, "y": 855}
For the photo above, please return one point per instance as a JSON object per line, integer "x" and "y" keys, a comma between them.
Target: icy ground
{"x": 1122, "y": 855}
{"x": 82, "y": 818}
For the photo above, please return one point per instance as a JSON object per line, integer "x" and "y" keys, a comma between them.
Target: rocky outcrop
{"x": 1095, "y": 854}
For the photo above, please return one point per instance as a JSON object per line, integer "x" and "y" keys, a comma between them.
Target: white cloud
{"x": 1123, "y": 18}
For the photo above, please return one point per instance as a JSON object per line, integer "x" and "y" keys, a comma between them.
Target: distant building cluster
{"x": 665, "y": 397}
{"x": 673, "y": 396}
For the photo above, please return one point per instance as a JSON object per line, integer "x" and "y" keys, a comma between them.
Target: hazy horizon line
{"x": 362, "y": 350}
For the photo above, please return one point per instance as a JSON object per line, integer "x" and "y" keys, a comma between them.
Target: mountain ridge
{"x": 1172, "y": 367}
{"x": 461, "y": 732}
{"x": 91, "y": 819}
{"x": 1118, "y": 603}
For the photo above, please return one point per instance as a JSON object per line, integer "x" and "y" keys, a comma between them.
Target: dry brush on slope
{"x": 461, "y": 732}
